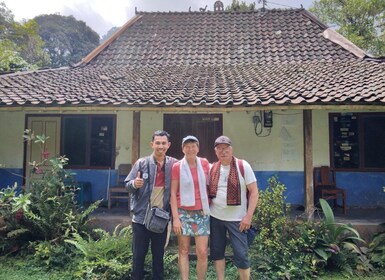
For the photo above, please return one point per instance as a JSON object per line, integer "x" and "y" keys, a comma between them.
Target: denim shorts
{"x": 218, "y": 240}
{"x": 194, "y": 222}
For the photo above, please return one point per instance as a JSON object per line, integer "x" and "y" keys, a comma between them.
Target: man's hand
{"x": 245, "y": 224}
{"x": 138, "y": 182}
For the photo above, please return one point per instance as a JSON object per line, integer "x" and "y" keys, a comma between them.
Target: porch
{"x": 365, "y": 220}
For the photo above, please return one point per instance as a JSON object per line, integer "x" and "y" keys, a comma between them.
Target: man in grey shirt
{"x": 149, "y": 182}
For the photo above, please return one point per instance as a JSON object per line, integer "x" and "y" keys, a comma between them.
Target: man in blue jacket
{"x": 149, "y": 182}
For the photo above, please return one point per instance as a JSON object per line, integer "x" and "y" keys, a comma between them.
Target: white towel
{"x": 186, "y": 186}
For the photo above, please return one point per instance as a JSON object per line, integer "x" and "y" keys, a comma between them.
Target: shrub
{"x": 51, "y": 255}
{"x": 283, "y": 248}
{"x": 12, "y": 233}
{"x": 336, "y": 246}
{"x": 171, "y": 270}
{"x": 46, "y": 211}
{"x": 104, "y": 256}
{"x": 377, "y": 249}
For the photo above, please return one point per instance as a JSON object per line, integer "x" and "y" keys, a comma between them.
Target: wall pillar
{"x": 308, "y": 164}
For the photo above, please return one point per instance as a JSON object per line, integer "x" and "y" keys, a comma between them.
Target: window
{"x": 357, "y": 141}
{"x": 89, "y": 141}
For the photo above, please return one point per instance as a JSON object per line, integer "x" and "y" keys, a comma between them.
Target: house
{"x": 289, "y": 91}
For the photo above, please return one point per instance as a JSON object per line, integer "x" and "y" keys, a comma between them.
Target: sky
{"x": 102, "y": 15}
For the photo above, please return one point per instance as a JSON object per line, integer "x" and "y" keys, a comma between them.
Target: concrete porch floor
{"x": 365, "y": 220}
{"x": 108, "y": 219}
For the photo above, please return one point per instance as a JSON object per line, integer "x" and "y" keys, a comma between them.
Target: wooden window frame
{"x": 89, "y": 118}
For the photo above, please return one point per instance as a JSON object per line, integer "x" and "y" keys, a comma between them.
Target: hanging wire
{"x": 278, "y": 4}
{"x": 258, "y": 125}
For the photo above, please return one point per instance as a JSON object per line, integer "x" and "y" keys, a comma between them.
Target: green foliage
{"x": 377, "y": 249}
{"x": 67, "y": 40}
{"x": 21, "y": 47}
{"x": 10, "y": 59}
{"x": 105, "y": 256}
{"x": 24, "y": 268}
{"x": 30, "y": 45}
{"x": 12, "y": 206}
{"x": 337, "y": 247}
{"x": 283, "y": 248}
{"x": 171, "y": 266}
{"x": 361, "y": 21}
{"x": 46, "y": 41}
{"x": 53, "y": 213}
{"x": 294, "y": 249}
{"x": 51, "y": 254}
{"x": 240, "y": 6}
{"x": 6, "y": 16}
{"x": 47, "y": 211}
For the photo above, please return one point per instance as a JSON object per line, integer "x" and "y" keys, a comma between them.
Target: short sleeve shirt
{"x": 219, "y": 208}
{"x": 194, "y": 173}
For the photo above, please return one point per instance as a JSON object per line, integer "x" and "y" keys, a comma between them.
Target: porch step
{"x": 366, "y": 221}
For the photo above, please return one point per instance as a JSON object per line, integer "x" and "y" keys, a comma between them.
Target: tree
{"x": 10, "y": 59}
{"x": 67, "y": 40}
{"x": 240, "y": 6}
{"x": 360, "y": 21}
{"x": 109, "y": 33}
{"x": 29, "y": 43}
{"x": 21, "y": 48}
{"x": 6, "y": 16}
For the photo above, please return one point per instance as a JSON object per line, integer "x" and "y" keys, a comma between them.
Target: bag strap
{"x": 240, "y": 165}
{"x": 242, "y": 170}
{"x": 253, "y": 230}
{"x": 149, "y": 180}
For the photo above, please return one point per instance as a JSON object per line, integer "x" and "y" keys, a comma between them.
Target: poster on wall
{"x": 345, "y": 140}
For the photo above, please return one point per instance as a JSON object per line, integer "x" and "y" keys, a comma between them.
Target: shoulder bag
{"x": 156, "y": 218}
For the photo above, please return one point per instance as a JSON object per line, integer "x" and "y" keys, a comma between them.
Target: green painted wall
{"x": 11, "y": 139}
{"x": 282, "y": 149}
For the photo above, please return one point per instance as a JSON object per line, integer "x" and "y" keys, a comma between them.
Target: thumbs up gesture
{"x": 138, "y": 181}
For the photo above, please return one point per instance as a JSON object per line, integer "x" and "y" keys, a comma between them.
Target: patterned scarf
{"x": 233, "y": 185}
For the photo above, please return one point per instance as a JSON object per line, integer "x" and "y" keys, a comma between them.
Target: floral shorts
{"x": 194, "y": 222}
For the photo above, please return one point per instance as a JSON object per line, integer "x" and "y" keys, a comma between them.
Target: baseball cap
{"x": 190, "y": 138}
{"x": 222, "y": 140}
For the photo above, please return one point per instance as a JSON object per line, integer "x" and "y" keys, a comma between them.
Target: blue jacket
{"x": 141, "y": 196}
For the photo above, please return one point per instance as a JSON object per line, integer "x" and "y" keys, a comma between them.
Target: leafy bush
{"x": 51, "y": 254}
{"x": 287, "y": 248}
{"x": 171, "y": 270}
{"x": 105, "y": 256}
{"x": 54, "y": 212}
{"x": 337, "y": 247}
{"x": 12, "y": 234}
{"x": 283, "y": 248}
{"x": 46, "y": 211}
{"x": 377, "y": 249}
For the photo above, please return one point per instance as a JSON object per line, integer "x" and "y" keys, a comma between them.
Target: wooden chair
{"x": 325, "y": 187}
{"x": 119, "y": 190}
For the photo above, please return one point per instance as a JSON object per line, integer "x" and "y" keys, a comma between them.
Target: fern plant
{"x": 105, "y": 256}
{"x": 377, "y": 249}
{"x": 171, "y": 270}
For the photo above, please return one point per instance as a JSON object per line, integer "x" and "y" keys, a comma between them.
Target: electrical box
{"x": 268, "y": 118}
{"x": 256, "y": 119}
